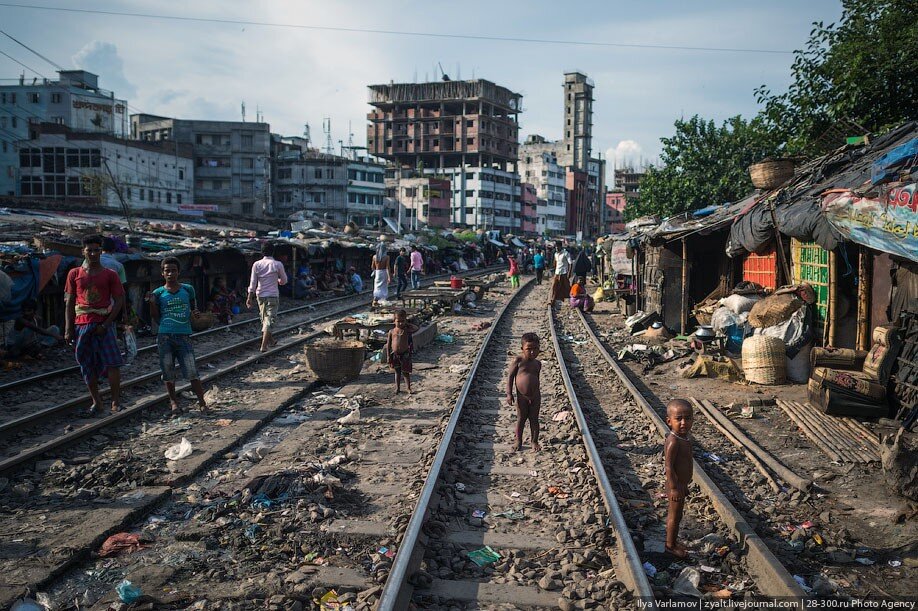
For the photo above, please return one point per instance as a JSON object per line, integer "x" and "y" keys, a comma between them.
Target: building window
{"x": 469, "y": 123}
{"x": 248, "y": 163}
{"x": 470, "y": 193}
{"x": 56, "y": 98}
{"x": 14, "y": 122}
{"x": 159, "y": 197}
{"x": 150, "y": 195}
{"x": 141, "y": 194}
{"x": 318, "y": 172}
{"x": 3, "y": 98}
{"x": 34, "y": 98}
{"x": 12, "y": 98}
{"x": 329, "y": 173}
{"x": 181, "y": 174}
{"x": 169, "y": 197}
{"x": 128, "y": 193}
{"x": 248, "y": 207}
{"x": 248, "y": 140}
{"x": 352, "y": 198}
{"x": 285, "y": 173}
{"x": 248, "y": 187}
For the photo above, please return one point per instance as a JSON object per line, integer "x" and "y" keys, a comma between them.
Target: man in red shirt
{"x": 94, "y": 296}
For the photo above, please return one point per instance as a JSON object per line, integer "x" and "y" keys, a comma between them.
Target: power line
{"x": 300, "y": 26}
{"x": 22, "y": 44}
{"x": 20, "y": 63}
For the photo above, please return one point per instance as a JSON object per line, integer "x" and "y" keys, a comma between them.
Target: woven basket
{"x": 771, "y": 173}
{"x": 764, "y": 360}
{"x": 336, "y": 361}
{"x": 202, "y": 321}
{"x": 773, "y": 310}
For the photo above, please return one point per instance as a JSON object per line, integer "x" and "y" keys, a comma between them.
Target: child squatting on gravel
{"x": 399, "y": 347}
{"x": 524, "y": 377}
{"x": 677, "y": 461}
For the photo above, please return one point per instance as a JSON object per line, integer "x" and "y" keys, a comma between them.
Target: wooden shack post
{"x": 684, "y": 313}
{"x": 832, "y": 323}
{"x": 864, "y": 284}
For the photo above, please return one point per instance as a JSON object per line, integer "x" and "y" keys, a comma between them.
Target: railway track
{"x": 617, "y": 402}
{"x": 549, "y": 520}
{"x": 21, "y": 445}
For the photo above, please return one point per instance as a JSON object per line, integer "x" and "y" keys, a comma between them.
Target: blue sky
{"x": 297, "y": 76}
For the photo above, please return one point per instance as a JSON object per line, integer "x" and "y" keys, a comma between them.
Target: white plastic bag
{"x": 739, "y": 303}
{"x": 130, "y": 345}
{"x": 180, "y": 450}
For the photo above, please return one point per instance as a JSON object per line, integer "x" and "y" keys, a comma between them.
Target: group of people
{"x": 566, "y": 263}
{"x": 407, "y": 268}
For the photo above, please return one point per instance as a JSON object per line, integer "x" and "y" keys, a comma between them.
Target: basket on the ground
{"x": 771, "y": 173}
{"x": 202, "y": 321}
{"x": 336, "y": 361}
{"x": 764, "y": 360}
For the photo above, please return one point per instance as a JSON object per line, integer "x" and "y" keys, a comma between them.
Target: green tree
{"x": 703, "y": 164}
{"x": 861, "y": 69}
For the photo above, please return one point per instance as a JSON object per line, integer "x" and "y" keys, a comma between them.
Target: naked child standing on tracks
{"x": 524, "y": 379}
{"x": 677, "y": 461}
{"x": 399, "y": 348}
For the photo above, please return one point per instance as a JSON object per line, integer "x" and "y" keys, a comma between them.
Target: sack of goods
{"x": 774, "y": 310}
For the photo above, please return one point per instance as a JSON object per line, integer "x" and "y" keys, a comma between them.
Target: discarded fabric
{"x": 121, "y": 542}
{"x": 650, "y": 569}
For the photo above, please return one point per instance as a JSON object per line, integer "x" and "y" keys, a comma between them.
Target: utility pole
{"x": 124, "y": 206}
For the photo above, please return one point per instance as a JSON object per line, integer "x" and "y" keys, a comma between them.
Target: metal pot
{"x": 705, "y": 333}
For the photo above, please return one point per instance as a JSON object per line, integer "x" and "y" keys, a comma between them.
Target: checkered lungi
{"x": 96, "y": 353}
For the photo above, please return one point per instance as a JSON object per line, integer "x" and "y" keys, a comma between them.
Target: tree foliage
{"x": 704, "y": 164}
{"x": 861, "y": 69}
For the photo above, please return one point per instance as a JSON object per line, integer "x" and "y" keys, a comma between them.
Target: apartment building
{"x": 98, "y": 170}
{"x": 424, "y": 201}
{"x": 231, "y": 160}
{"x": 539, "y": 167}
{"x": 529, "y": 203}
{"x": 75, "y": 100}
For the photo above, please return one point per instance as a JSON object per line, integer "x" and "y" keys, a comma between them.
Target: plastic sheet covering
{"x": 803, "y": 220}
{"x": 889, "y": 224}
{"x": 25, "y": 286}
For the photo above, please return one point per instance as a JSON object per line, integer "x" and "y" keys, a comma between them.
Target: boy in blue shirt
{"x": 356, "y": 280}
{"x": 171, "y": 306}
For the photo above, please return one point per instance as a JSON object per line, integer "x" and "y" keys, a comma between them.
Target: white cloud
{"x": 626, "y": 152}
{"x": 102, "y": 58}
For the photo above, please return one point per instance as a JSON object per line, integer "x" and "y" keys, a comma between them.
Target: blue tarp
{"x": 888, "y": 165}
{"x": 25, "y": 286}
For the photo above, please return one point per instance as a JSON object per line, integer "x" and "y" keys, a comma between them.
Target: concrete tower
{"x": 578, "y": 120}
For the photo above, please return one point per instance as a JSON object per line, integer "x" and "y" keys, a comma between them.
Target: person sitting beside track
{"x": 579, "y": 297}
{"x": 28, "y": 338}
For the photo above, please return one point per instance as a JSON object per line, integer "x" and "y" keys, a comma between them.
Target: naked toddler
{"x": 399, "y": 348}
{"x": 524, "y": 377}
{"x": 677, "y": 460}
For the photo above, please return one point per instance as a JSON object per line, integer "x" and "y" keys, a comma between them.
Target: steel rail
{"x": 311, "y": 305}
{"x": 394, "y": 595}
{"x": 13, "y": 426}
{"x": 13, "y": 462}
{"x": 630, "y": 568}
{"x": 773, "y": 579}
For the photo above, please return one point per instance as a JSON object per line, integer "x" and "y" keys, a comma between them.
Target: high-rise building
{"x": 465, "y": 131}
{"x": 231, "y": 160}
{"x": 74, "y": 101}
{"x": 628, "y": 180}
{"x": 539, "y": 167}
{"x": 578, "y": 121}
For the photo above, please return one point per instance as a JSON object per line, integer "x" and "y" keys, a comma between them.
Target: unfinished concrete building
{"x": 458, "y": 129}
{"x": 578, "y": 120}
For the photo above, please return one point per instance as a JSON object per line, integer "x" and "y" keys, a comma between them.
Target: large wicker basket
{"x": 771, "y": 173}
{"x": 336, "y": 361}
{"x": 764, "y": 360}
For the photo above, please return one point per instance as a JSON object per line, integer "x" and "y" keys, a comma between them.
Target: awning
{"x": 498, "y": 244}
{"x": 517, "y": 242}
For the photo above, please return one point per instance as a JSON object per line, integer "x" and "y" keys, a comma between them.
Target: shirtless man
{"x": 524, "y": 377}
{"x": 399, "y": 348}
{"x": 677, "y": 460}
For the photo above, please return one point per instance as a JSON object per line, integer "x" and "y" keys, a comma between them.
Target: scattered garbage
{"x": 479, "y": 513}
{"x": 223, "y": 422}
{"x": 254, "y": 451}
{"x": 179, "y": 451}
{"x": 128, "y": 592}
{"x": 460, "y": 486}
{"x": 387, "y": 552}
{"x": 26, "y": 604}
{"x": 865, "y": 561}
{"x": 687, "y": 582}
{"x": 561, "y": 416}
{"x": 650, "y": 569}
{"x": 747, "y": 411}
{"x": 511, "y": 514}
{"x": 713, "y": 457}
{"x": 558, "y": 492}
{"x": 121, "y": 542}
{"x": 446, "y": 338}
{"x": 484, "y": 556}
{"x": 895, "y": 563}
{"x": 351, "y": 418}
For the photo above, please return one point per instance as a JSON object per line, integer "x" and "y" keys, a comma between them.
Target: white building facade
{"x": 483, "y": 197}
{"x": 74, "y": 100}
{"x": 539, "y": 167}
{"x": 90, "y": 169}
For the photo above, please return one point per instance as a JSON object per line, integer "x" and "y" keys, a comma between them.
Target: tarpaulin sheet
{"x": 888, "y": 225}
{"x": 889, "y": 164}
{"x": 25, "y": 277}
{"x": 618, "y": 258}
{"x": 803, "y": 220}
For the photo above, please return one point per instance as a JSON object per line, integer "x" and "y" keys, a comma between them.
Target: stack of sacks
{"x": 786, "y": 316}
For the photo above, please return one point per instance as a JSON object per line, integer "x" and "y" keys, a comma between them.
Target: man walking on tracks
{"x": 267, "y": 275}
{"x": 417, "y": 266}
{"x": 94, "y": 297}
